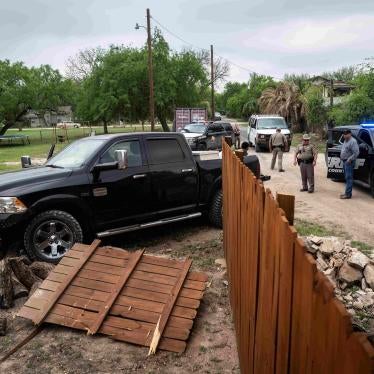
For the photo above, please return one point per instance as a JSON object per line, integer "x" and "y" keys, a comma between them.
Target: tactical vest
{"x": 306, "y": 152}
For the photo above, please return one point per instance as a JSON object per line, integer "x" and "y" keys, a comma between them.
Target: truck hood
{"x": 27, "y": 178}
{"x": 191, "y": 135}
{"x": 272, "y": 131}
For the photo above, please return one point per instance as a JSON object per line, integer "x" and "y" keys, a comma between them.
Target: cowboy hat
{"x": 306, "y": 137}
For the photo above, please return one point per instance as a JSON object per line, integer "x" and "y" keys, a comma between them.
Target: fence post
{"x": 287, "y": 203}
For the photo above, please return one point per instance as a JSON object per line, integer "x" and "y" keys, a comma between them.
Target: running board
{"x": 160, "y": 222}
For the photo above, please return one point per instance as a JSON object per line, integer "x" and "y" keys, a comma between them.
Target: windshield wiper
{"x": 54, "y": 166}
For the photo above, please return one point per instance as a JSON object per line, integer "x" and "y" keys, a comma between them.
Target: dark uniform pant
{"x": 307, "y": 175}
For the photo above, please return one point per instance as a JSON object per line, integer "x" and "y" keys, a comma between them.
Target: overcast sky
{"x": 267, "y": 36}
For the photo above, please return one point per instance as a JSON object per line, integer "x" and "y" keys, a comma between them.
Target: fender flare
{"x": 69, "y": 203}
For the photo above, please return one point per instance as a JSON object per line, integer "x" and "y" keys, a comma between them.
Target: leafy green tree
{"x": 39, "y": 88}
{"x": 302, "y": 81}
{"x": 118, "y": 86}
{"x": 315, "y": 109}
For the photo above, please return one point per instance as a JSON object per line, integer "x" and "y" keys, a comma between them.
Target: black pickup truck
{"x": 109, "y": 184}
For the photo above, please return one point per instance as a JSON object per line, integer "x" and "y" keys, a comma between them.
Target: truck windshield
{"x": 271, "y": 123}
{"x": 76, "y": 154}
{"x": 194, "y": 128}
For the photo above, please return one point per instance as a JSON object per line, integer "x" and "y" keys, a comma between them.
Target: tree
{"x": 81, "y": 65}
{"x": 315, "y": 109}
{"x": 285, "y": 100}
{"x": 302, "y": 81}
{"x": 118, "y": 86}
{"x": 22, "y": 89}
{"x": 346, "y": 74}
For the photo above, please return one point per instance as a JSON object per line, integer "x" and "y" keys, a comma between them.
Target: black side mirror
{"x": 25, "y": 161}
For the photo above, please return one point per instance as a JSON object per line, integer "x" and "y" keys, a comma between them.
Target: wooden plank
{"x": 162, "y": 261}
{"x": 92, "y": 284}
{"x": 57, "y": 319}
{"x": 287, "y": 204}
{"x": 113, "y": 252}
{"x": 130, "y": 302}
{"x": 159, "y": 297}
{"x": 103, "y": 268}
{"x": 142, "y": 338}
{"x": 119, "y": 262}
{"x": 67, "y": 261}
{"x": 149, "y": 316}
{"x": 86, "y": 293}
{"x": 168, "y": 307}
{"x": 128, "y": 324}
{"x": 150, "y": 268}
{"x": 164, "y": 279}
{"x": 163, "y": 288}
{"x": 99, "y": 276}
{"x": 62, "y": 286}
{"x": 80, "y": 302}
{"x": 131, "y": 264}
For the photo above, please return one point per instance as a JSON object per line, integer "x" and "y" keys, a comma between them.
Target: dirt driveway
{"x": 210, "y": 349}
{"x": 354, "y": 217}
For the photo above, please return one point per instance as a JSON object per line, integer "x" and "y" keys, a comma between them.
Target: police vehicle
{"x": 364, "y": 166}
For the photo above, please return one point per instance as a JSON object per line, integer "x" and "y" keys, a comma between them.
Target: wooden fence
{"x": 286, "y": 317}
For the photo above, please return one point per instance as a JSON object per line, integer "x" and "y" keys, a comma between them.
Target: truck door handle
{"x": 187, "y": 170}
{"x": 139, "y": 176}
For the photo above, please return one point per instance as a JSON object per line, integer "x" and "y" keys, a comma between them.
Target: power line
{"x": 205, "y": 49}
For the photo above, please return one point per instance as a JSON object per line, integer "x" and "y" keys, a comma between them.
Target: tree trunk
{"x": 19, "y": 290}
{"x": 23, "y": 272}
{"x": 41, "y": 269}
{"x": 164, "y": 124}
{"x": 105, "y": 127}
{"x": 6, "y": 285}
{"x": 9, "y": 124}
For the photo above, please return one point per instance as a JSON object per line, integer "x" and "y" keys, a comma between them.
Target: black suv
{"x": 364, "y": 167}
{"x": 109, "y": 184}
{"x": 205, "y": 137}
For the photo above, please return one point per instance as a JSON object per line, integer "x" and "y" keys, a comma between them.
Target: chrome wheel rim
{"x": 52, "y": 239}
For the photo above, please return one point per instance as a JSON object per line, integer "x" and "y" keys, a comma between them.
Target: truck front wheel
{"x": 51, "y": 234}
{"x": 215, "y": 209}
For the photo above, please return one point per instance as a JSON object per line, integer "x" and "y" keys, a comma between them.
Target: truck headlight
{"x": 11, "y": 205}
{"x": 262, "y": 136}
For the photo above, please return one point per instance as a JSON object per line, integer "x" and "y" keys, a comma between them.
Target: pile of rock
{"x": 352, "y": 274}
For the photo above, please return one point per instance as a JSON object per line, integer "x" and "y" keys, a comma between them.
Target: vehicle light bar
{"x": 367, "y": 125}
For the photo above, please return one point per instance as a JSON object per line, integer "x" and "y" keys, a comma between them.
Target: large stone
{"x": 330, "y": 245}
{"x": 358, "y": 260}
{"x": 369, "y": 275}
{"x": 321, "y": 263}
{"x": 349, "y": 274}
{"x": 315, "y": 240}
{"x": 221, "y": 262}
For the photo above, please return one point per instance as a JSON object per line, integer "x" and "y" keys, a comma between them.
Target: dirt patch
{"x": 211, "y": 347}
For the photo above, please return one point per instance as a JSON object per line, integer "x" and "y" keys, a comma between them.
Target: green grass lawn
{"x": 41, "y": 140}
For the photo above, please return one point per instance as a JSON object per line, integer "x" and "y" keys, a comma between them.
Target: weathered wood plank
{"x": 168, "y": 307}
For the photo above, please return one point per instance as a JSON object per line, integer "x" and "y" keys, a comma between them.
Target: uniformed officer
{"x": 306, "y": 156}
{"x": 277, "y": 144}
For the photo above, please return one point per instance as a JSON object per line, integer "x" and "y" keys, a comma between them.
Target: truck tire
{"x": 51, "y": 234}
{"x": 257, "y": 147}
{"x": 202, "y": 147}
{"x": 215, "y": 209}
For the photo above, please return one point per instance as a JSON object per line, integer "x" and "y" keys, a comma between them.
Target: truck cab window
{"x": 163, "y": 151}
{"x": 132, "y": 147}
{"x": 365, "y": 137}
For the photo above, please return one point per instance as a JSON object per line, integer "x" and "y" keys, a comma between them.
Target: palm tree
{"x": 286, "y": 101}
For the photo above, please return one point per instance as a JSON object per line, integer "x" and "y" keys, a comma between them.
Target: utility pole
{"x": 212, "y": 80}
{"x": 331, "y": 93}
{"x": 150, "y": 73}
